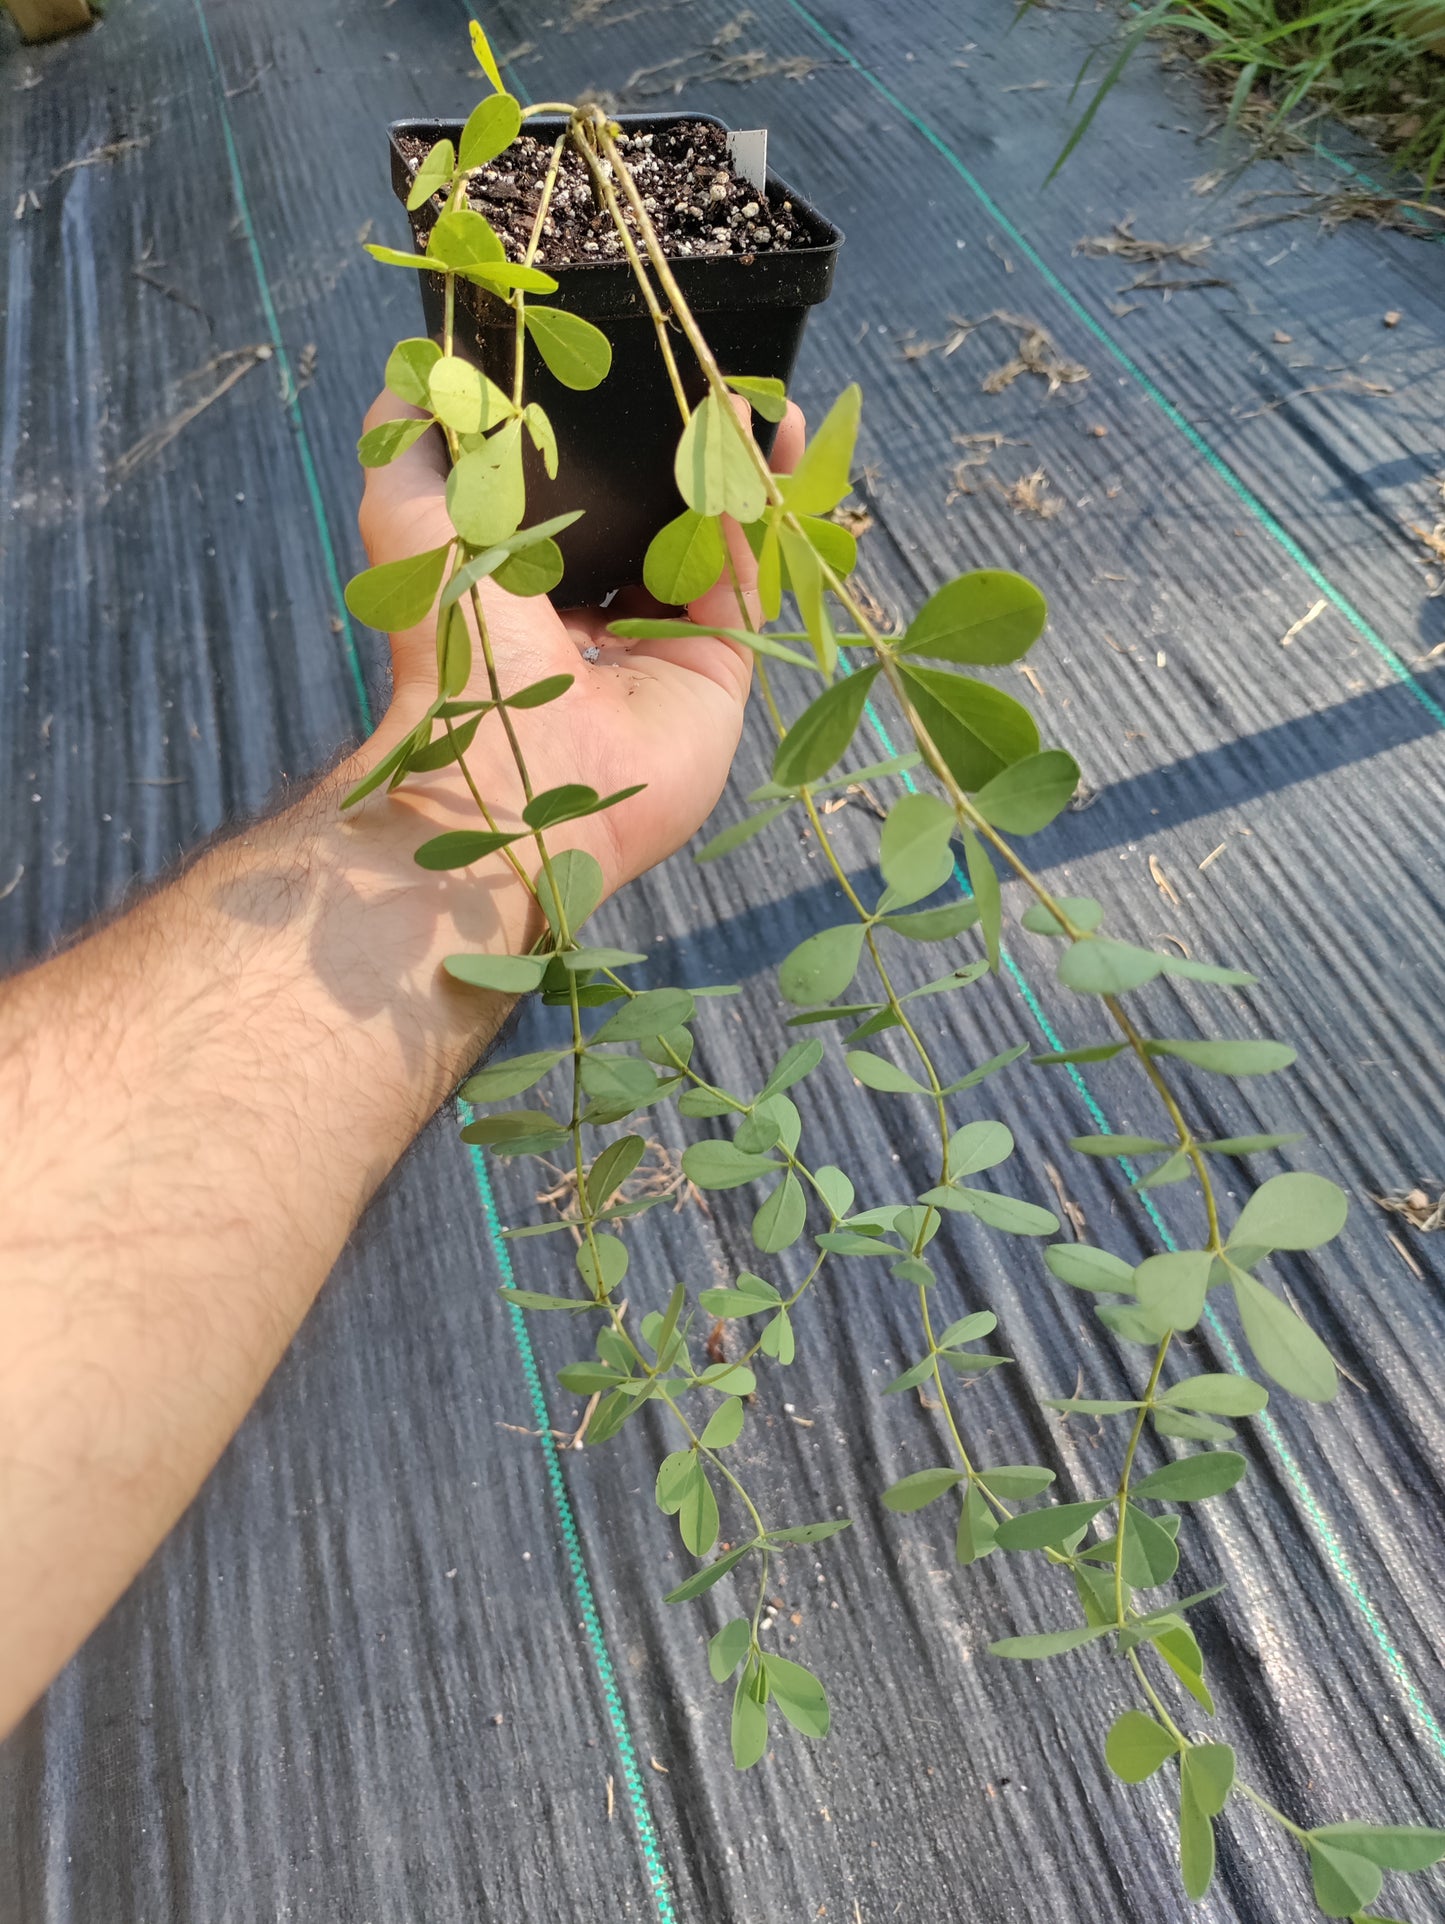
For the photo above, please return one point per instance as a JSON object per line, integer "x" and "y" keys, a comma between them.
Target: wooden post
{"x": 47, "y": 19}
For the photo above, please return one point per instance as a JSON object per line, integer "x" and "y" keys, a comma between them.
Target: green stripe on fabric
{"x": 1324, "y": 1529}
{"x": 288, "y": 383}
{"x": 1207, "y": 452}
{"x": 657, "y": 1876}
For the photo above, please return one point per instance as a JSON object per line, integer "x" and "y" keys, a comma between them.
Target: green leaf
{"x": 457, "y": 397}
{"x": 490, "y": 128}
{"x": 1008, "y": 1213}
{"x": 1083, "y": 1267}
{"x": 529, "y": 1299}
{"x": 587, "y": 1379}
{"x": 1027, "y": 795}
{"x": 1171, "y": 1287}
{"x": 968, "y": 1329}
{"x": 977, "y": 1528}
{"x": 750, "y": 1722}
{"x": 924, "y": 1486}
{"x": 834, "y": 1187}
{"x": 1137, "y": 1745}
{"x": 1296, "y": 1211}
{"x": 823, "y": 731}
{"x": 805, "y": 577}
{"x": 1047, "y": 1528}
{"x": 1180, "y": 1650}
{"x": 722, "y": 1165}
{"x": 654, "y": 628}
{"x": 1193, "y": 1478}
{"x": 1050, "y": 1643}
{"x": 609, "y": 1267}
{"x": 387, "y": 440}
{"x": 781, "y": 1219}
{"x": 1081, "y": 910}
{"x": 1248, "y": 1145}
{"x": 976, "y": 728}
{"x": 434, "y": 174}
{"x": 1013, "y": 1481}
{"x": 810, "y": 1532}
{"x": 978, "y": 1146}
{"x": 778, "y": 1339}
{"x": 486, "y": 494}
{"x": 1098, "y": 965}
{"x": 534, "y": 572}
{"x": 877, "y": 1072}
{"x": 727, "y": 1649}
{"x": 983, "y": 881}
{"x": 1087, "y": 1405}
{"x": 986, "y": 1069}
{"x": 510, "y": 1077}
{"x": 1117, "y": 1145}
{"x": 444, "y": 751}
{"x": 823, "y": 474}
{"x": 1209, "y": 1775}
{"x": 612, "y": 1168}
{"x": 1196, "y": 1844}
{"x": 796, "y": 1062}
{"x": 649, "y": 1013}
{"x": 1228, "y": 1058}
{"x": 459, "y": 848}
{"x": 1175, "y": 1168}
{"x": 832, "y": 544}
{"x": 577, "y": 353}
{"x": 1218, "y": 1395}
{"x": 750, "y": 1298}
{"x": 520, "y": 1132}
{"x": 730, "y": 1379}
{"x": 464, "y": 240}
{"x": 984, "y": 619}
{"x": 1194, "y": 1429}
{"x": 1093, "y": 1052}
{"x": 1129, "y": 1323}
{"x": 407, "y": 368}
{"x": 1151, "y": 1554}
{"x": 1345, "y": 1882}
{"x": 1284, "y": 1346}
{"x": 715, "y": 472}
{"x": 674, "y": 1477}
{"x": 1396, "y": 1847}
{"x": 507, "y": 974}
{"x": 684, "y": 558}
{"x": 617, "y": 1082}
{"x": 579, "y": 887}
{"x": 909, "y": 1379}
{"x": 765, "y": 392}
{"x": 823, "y": 966}
{"x": 939, "y": 925}
{"x": 570, "y": 803}
{"x": 736, "y": 833}
{"x": 697, "y": 1515}
{"x": 915, "y": 850}
{"x": 398, "y": 594}
{"x": 702, "y": 1580}
{"x": 798, "y": 1694}
{"x": 486, "y": 59}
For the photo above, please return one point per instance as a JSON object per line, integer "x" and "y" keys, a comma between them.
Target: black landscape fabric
{"x": 404, "y": 1660}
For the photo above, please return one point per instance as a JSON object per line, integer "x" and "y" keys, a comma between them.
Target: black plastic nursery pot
{"x": 616, "y": 441}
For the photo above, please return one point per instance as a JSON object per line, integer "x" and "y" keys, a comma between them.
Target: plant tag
{"x": 748, "y": 153}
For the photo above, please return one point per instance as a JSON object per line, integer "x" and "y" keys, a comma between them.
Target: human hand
{"x": 667, "y": 714}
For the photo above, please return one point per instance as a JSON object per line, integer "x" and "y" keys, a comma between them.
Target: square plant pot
{"x": 616, "y": 442}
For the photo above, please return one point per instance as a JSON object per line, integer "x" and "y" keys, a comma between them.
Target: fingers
{"x": 788, "y": 447}
{"x": 403, "y": 505}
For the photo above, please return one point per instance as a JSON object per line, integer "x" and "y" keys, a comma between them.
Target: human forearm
{"x": 196, "y": 1104}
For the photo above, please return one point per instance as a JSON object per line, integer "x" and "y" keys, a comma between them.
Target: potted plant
{"x": 750, "y": 254}
{"x": 985, "y": 780}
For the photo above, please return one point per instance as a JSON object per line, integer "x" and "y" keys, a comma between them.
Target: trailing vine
{"x": 989, "y": 780}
